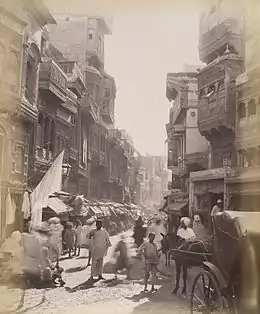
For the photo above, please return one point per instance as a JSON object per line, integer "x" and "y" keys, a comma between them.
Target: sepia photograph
{"x": 129, "y": 156}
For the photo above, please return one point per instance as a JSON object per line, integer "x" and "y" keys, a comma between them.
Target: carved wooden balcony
{"x": 214, "y": 41}
{"x": 217, "y": 94}
{"x": 53, "y": 78}
{"x": 106, "y": 112}
{"x": 75, "y": 77}
{"x": 196, "y": 160}
{"x": 89, "y": 107}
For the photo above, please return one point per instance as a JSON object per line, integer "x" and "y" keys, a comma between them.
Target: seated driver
{"x": 185, "y": 232}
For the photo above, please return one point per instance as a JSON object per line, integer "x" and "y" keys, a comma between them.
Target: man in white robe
{"x": 100, "y": 244}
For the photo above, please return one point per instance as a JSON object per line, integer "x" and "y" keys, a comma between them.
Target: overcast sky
{"x": 139, "y": 53}
{"x": 149, "y": 39}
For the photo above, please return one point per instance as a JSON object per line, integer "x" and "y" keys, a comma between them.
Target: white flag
{"x": 51, "y": 183}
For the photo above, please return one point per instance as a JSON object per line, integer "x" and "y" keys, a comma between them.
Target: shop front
{"x": 205, "y": 187}
{"x": 244, "y": 190}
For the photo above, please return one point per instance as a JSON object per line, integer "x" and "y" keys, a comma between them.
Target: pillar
{"x": 191, "y": 198}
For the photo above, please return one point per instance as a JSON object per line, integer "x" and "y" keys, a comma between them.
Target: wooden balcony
{"x": 75, "y": 77}
{"x": 214, "y": 41}
{"x": 53, "y": 78}
{"x": 217, "y": 94}
{"x": 196, "y": 161}
{"x": 175, "y": 129}
{"x": 107, "y": 114}
{"x": 90, "y": 108}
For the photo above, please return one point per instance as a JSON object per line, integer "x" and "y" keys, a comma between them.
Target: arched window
{"x": 241, "y": 110}
{"x": 251, "y": 107}
{"x": 221, "y": 85}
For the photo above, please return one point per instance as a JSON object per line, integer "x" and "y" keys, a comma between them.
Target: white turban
{"x": 185, "y": 221}
{"x": 196, "y": 218}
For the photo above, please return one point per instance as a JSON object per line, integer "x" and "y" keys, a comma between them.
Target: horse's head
{"x": 169, "y": 241}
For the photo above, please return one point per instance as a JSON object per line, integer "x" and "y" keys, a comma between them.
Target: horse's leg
{"x": 169, "y": 258}
{"x": 178, "y": 274}
{"x": 166, "y": 259}
{"x": 185, "y": 275}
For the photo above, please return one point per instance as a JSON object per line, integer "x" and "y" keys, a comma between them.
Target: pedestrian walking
{"x": 139, "y": 231}
{"x": 78, "y": 238}
{"x": 69, "y": 237}
{"x": 150, "y": 253}
{"x": 122, "y": 261}
{"x": 100, "y": 244}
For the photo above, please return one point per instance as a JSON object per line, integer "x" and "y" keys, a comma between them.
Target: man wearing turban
{"x": 185, "y": 232}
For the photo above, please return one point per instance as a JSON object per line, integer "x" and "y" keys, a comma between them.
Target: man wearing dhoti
{"x": 100, "y": 245}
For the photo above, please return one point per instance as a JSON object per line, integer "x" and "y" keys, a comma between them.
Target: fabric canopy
{"x": 58, "y": 206}
{"x": 105, "y": 210}
{"x": 175, "y": 208}
{"x": 97, "y": 211}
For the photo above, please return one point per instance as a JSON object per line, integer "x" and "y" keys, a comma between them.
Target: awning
{"x": 105, "y": 210}
{"x": 112, "y": 209}
{"x": 58, "y": 206}
{"x": 175, "y": 208}
{"x": 119, "y": 211}
{"x": 97, "y": 211}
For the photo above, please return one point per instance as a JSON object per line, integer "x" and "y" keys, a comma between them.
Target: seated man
{"x": 185, "y": 232}
{"x": 50, "y": 272}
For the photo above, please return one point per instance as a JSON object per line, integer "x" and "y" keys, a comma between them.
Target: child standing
{"x": 150, "y": 252}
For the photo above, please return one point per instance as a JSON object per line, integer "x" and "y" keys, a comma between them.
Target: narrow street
{"x": 114, "y": 296}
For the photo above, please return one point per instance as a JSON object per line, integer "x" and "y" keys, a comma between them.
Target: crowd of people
{"x": 36, "y": 252}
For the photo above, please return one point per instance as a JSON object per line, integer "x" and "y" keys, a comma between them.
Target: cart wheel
{"x": 206, "y": 297}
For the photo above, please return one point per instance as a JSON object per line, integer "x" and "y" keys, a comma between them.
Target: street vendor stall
{"x": 56, "y": 208}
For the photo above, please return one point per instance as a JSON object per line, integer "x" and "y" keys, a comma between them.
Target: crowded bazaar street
{"x": 111, "y": 296}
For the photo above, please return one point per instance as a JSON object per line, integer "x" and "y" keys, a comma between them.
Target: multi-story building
{"x": 102, "y": 141}
{"x": 152, "y": 180}
{"x": 187, "y": 149}
{"x": 221, "y": 48}
{"x": 60, "y": 98}
{"x": 243, "y": 186}
{"x": 20, "y": 29}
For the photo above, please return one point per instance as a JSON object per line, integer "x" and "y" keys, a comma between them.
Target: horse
{"x": 184, "y": 255}
{"x": 168, "y": 243}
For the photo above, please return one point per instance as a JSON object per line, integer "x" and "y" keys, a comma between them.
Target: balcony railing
{"x": 107, "y": 114}
{"x": 226, "y": 32}
{"x": 52, "y": 77}
{"x": 43, "y": 155}
{"x": 90, "y": 107}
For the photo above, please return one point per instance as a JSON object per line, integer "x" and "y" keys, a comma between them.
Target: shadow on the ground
{"x": 76, "y": 269}
{"x": 83, "y": 286}
{"x": 160, "y": 301}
